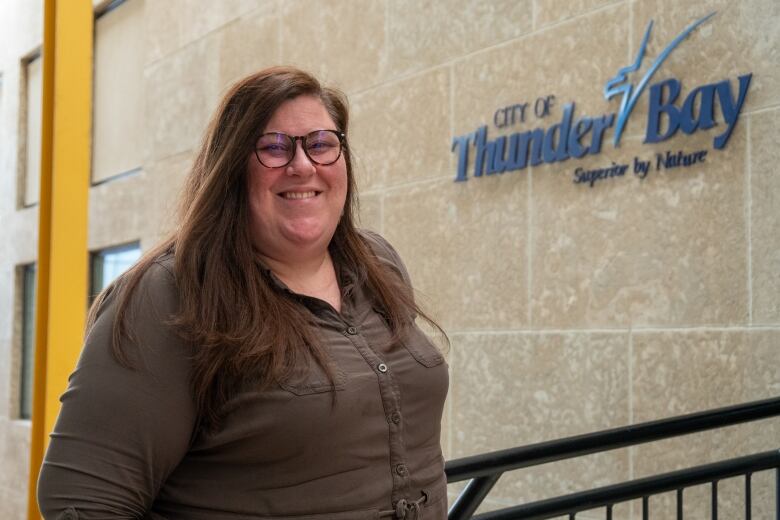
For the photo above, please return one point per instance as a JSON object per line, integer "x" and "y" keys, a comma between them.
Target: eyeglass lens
{"x": 276, "y": 149}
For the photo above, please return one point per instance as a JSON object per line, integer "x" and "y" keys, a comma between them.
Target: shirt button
{"x": 382, "y": 367}
{"x": 395, "y": 417}
{"x": 400, "y": 469}
{"x": 352, "y": 331}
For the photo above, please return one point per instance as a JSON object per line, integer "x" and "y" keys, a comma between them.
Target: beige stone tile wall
{"x": 570, "y": 309}
{"x": 20, "y": 34}
{"x": 511, "y": 389}
{"x": 764, "y": 128}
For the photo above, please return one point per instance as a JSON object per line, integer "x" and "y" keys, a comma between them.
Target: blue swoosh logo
{"x": 619, "y": 85}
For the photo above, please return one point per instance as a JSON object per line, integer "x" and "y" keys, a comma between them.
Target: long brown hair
{"x": 238, "y": 323}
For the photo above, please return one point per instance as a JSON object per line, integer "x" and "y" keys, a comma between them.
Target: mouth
{"x": 298, "y": 195}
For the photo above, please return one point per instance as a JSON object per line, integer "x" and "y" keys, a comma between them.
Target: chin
{"x": 310, "y": 236}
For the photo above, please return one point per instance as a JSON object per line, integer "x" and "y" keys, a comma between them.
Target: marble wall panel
{"x": 547, "y": 12}
{"x": 689, "y": 371}
{"x": 13, "y": 505}
{"x": 164, "y": 183}
{"x": 182, "y": 91}
{"x": 741, "y": 38}
{"x": 570, "y": 61}
{"x": 666, "y": 250}
{"x": 342, "y": 43}
{"x": 114, "y": 216}
{"x": 426, "y": 34}
{"x": 10, "y": 339}
{"x": 172, "y": 24}
{"x": 20, "y": 230}
{"x": 765, "y": 218}
{"x": 15, "y": 454}
{"x": 370, "y": 212}
{"x": 465, "y": 247}
{"x": 514, "y": 389}
{"x": 401, "y": 131}
{"x": 248, "y": 45}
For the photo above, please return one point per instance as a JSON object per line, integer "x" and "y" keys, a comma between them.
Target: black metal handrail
{"x": 485, "y": 469}
{"x": 641, "y": 488}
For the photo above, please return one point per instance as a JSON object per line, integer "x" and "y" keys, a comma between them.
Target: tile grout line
{"x": 631, "y": 451}
{"x": 386, "y": 50}
{"x": 616, "y": 330}
{"x": 761, "y": 110}
{"x": 749, "y": 216}
{"x": 529, "y": 247}
{"x": 279, "y": 38}
{"x": 401, "y": 186}
{"x": 468, "y": 55}
{"x": 451, "y": 70}
{"x": 629, "y": 47}
{"x": 155, "y": 62}
{"x": 450, "y": 406}
{"x": 382, "y": 215}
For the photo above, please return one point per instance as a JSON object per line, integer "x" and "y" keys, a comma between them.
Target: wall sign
{"x": 574, "y": 136}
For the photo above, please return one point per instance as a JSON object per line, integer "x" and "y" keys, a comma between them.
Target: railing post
{"x": 472, "y": 496}
{"x": 680, "y": 504}
{"x": 714, "y": 500}
{"x": 777, "y": 492}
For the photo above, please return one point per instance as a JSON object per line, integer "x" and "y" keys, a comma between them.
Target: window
{"x": 31, "y": 123}
{"x": 117, "y": 135}
{"x": 1, "y": 110}
{"x": 27, "y": 364}
{"x": 108, "y": 264}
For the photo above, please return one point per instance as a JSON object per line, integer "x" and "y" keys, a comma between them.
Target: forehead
{"x": 299, "y": 116}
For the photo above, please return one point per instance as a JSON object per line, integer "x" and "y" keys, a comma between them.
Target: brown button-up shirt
{"x": 365, "y": 446}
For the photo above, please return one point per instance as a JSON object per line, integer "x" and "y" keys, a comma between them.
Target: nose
{"x": 300, "y": 164}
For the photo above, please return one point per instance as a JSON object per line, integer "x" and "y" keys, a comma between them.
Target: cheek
{"x": 339, "y": 181}
{"x": 258, "y": 184}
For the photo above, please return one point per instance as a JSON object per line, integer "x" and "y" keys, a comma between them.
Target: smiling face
{"x": 294, "y": 209}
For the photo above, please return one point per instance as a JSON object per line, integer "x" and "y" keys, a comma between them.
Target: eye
{"x": 277, "y": 145}
{"x": 318, "y": 143}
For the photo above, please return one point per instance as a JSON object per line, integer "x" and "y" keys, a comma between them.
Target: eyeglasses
{"x": 323, "y": 147}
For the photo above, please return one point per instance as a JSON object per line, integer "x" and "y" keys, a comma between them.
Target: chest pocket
{"x": 422, "y": 348}
{"x": 417, "y": 343}
{"x": 314, "y": 380}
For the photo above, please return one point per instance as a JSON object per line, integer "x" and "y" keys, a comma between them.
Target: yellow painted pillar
{"x": 62, "y": 249}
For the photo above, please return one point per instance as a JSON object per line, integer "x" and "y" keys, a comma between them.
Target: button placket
{"x": 390, "y": 396}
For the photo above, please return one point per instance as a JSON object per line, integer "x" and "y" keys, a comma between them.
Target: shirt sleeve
{"x": 387, "y": 254}
{"x": 121, "y": 431}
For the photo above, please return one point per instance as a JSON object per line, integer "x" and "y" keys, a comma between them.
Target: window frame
{"x": 97, "y": 254}
{"x": 24, "y": 364}
{"x": 101, "y": 10}
{"x": 23, "y": 125}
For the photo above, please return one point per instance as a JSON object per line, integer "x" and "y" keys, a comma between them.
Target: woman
{"x": 262, "y": 362}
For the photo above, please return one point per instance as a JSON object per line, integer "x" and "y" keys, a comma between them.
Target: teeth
{"x": 299, "y": 194}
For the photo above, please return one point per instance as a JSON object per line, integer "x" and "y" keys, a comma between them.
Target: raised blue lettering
{"x": 729, "y": 108}
{"x": 579, "y": 130}
{"x": 480, "y": 138}
{"x": 497, "y": 163}
{"x": 551, "y": 152}
{"x": 500, "y": 122}
{"x": 660, "y": 106}
{"x": 690, "y": 122}
{"x": 461, "y": 143}
{"x": 600, "y": 124}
